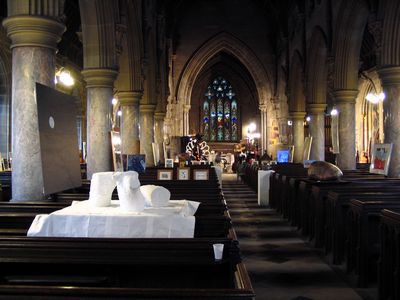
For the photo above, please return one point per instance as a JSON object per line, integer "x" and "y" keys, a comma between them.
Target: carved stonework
{"x": 330, "y": 60}
{"x": 375, "y": 28}
{"x": 120, "y": 32}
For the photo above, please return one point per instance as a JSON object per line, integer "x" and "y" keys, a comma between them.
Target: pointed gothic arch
{"x": 224, "y": 42}
{"x": 296, "y": 83}
{"x": 317, "y": 67}
{"x": 347, "y": 43}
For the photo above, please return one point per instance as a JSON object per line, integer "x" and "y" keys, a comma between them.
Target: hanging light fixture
{"x": 373, "y": 97}
{"x": 334, "y": 112}
{"x": 64, "y": 77}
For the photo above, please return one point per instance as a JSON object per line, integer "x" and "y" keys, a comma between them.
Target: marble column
{"x": 345, "y": 103}
{"x": 34, "y": 44}
{"x": 186, "y": 110}
{"x": 130, "y": 121}
{"x": 147, "y": 132}
{"x": 317, "y": 130}
{"x": 99, "y": 86}
{"x": 264, "y": 129}
{"x": 159, "y": 131}
{"x": 298, "y": 135}
{"x": 390, "y": 77}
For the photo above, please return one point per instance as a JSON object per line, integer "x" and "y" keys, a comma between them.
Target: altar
{"x": 83, "y": 220}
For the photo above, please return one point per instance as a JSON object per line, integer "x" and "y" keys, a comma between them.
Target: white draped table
{"x": 82, "y": 220}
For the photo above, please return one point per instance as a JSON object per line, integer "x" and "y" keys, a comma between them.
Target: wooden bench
{"x": 389, "y": 262}
{"x": 130, "y": 268}
{"x": 337, "y": 206}
{"x": 363, "y": 246}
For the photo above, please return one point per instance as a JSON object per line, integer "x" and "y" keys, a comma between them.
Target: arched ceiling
{"x": 70, "y": 45}
{"x": 275, "y": 12}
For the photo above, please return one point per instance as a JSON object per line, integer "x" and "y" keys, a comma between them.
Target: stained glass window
{"x": 220, "y": 112}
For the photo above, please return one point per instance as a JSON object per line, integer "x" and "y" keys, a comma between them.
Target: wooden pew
{"x": 389, "y": 261}
{"x": 130, "y": 268}
{"x": 363, "y": 239}
{"x": 318, "y": 196}
{"x": 337, "y": 205}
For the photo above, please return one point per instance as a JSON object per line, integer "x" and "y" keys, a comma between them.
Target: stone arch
{"x": 347, "y": 41}
{"x": 98, "y": 34}
{"x": 224, "y": 42}
{"x": 390, "y": 36}
{"x": 317, "y": 68}
{"x": 135, "y": 45}
{"x": 296, "y": 84}
{"x": 369, "y": 117}
{"x": 243, "y": 86}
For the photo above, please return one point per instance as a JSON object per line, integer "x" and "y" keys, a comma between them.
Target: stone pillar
{"x": 186, "y": 110}
{"x": 99, "y": 86}
{"x": 159, "y": 132}
{"x": 130, "y": 121}
{"x": 317, "y": 130}
{"x": 298, "y": 135}
{"x": 264, "y": 129}
{"x": 34, "y": 44}
{"x": 390, "y": 77}
{"x": 345, "y": 103}
{"x": 147, "y": 131}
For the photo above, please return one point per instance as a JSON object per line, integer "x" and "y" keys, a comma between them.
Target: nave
{"x": 281, "y": 264}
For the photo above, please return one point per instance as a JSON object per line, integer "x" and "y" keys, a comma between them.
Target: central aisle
{"x": 280, "y": 264}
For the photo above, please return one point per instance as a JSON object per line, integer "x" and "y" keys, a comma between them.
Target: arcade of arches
{"x": 284, "y": 60}
{"x": 158, "y": 71}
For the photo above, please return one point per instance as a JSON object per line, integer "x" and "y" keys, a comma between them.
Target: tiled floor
{"x": 280, "y": 264}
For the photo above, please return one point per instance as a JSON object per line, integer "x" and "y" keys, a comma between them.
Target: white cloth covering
{"x": 101, "y": 188}
{"x": 155, "y": 195}
{"x": 83, "y": 220}
{"x": 129, "y": 194}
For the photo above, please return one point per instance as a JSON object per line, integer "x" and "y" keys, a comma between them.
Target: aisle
{"x": 280, "y": 264}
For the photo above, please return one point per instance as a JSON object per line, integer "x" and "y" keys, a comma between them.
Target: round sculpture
{"x": 324, "y": 171}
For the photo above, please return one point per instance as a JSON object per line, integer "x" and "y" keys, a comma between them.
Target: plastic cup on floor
{"x": 218, "y": 251}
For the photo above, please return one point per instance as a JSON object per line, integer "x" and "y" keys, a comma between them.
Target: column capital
{"x": 127, "y": 98}
{"x": 348, "y": 96}
{"x": 297, "y": 115}
{"x": 263, "y": 107}
{"x": 159, "y": 115}
{"x": 147, "y": 108}
{"x": 187, "y": 107}
{"x": 316, "y": 108}
{"x": 33, "y": 31}
{"x": 99, "y": 77}
{"x": 390, "y": 75}
{"x": 274, "y": 99}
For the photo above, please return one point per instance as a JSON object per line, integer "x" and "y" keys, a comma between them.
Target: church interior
{"x": 277, "y": 122}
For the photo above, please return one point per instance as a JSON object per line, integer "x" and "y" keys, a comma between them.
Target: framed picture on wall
{"x": 183, "y": 173}
{"x": 164, "y": 174}
{"x": 380, "y": 158}
{"x": 200, "y": 174}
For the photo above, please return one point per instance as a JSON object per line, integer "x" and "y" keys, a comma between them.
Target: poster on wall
{"x": 136, "y": 162}
{"x": 380, "y": 158}
{"x": 116, "y": 151}
{"x": 59, "y": 149}
{"x": 335, "y": 133}
{"x": 307, "y": 148}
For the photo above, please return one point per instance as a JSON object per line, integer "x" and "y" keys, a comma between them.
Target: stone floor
{"x": 280, "y": 263}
